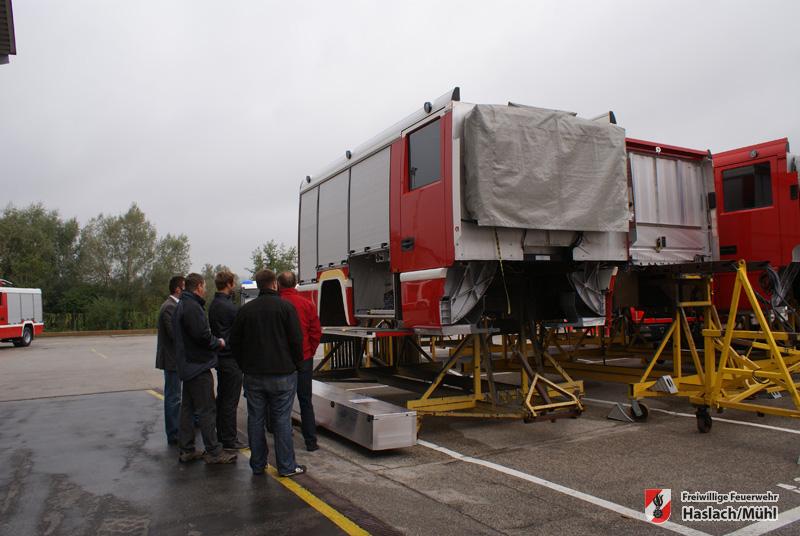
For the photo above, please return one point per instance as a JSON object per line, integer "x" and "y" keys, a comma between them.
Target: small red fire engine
{"x": 21, "y": 317}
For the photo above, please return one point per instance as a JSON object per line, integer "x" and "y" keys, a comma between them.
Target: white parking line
{"x": 720, "y": 419}
{"x": 608, "y": 505}
{"x": 98, "y": 353}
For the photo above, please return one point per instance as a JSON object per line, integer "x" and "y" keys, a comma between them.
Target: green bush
{"x": 105, "y": 313}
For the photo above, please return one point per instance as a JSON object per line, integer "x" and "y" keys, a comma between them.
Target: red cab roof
{"x": 769, "y": 148}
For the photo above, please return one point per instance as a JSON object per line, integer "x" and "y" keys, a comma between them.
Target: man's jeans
{"x": 274, "y": 393}
{"x": 198, "y": 399}
{"x": 172, "y": 404}
{"x": 307, "y": 419}
{"x": 229, "y": 389}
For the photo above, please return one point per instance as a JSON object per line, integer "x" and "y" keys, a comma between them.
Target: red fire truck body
{"x": 758, "y": 210}
{"x": 394, "y": 231}
{"x": 21, "y": 316}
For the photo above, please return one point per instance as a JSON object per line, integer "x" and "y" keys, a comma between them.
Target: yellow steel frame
{"x": 723, "y": 377}
{"x": 541, "y": 396}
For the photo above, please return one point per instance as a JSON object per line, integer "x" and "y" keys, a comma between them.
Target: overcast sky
{"x": 209, "y": 114}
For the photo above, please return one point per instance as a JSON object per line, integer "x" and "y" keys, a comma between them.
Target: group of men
{"x": 266, "y": 346}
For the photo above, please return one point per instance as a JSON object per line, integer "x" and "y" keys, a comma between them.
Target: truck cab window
{"x": 747, "y": 187}
{"x": 424, "y": 158}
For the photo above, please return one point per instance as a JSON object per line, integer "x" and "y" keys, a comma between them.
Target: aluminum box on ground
{"x": 371, "y": 423}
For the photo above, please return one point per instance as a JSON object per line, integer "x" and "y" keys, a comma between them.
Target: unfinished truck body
{"x": 469, "y": 220}
{"x": 463, "y": 212}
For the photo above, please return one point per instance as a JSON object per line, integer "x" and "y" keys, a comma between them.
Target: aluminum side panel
{"x": 26, "y": 301}
{"x": 38, "y": 314}
{"x": 14, "y": 301}
{"x": 307, "y": 250}
{"x": 670, "y": 205}
{"x": 369, "y": 203}
{"x": 479, "y": 243}
{"x": 333, "y": 235}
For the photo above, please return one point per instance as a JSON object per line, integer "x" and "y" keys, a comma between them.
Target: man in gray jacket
{"x": 165, "y": 359}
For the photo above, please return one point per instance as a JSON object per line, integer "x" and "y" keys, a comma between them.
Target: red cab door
{"x": 749, "y": 217}
{"x": 421, "y": 212}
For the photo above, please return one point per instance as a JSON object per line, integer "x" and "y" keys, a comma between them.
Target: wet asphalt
{"x": 73, "y": 462}
{"x": 98, "y": 464}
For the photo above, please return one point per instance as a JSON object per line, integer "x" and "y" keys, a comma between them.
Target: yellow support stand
{"x": 540, "y": 397}
{"x": 726, "y": 378}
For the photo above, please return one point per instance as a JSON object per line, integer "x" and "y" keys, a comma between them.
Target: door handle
{"x": 407, "y": 244}
{"x": 793, "y": 192}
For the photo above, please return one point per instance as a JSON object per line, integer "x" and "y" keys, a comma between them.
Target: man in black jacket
{"x": 165, "y": 359}
{"x": 195, "y": 353}
{"x": 221, "y": 314}
{"x": 268, "y": 345}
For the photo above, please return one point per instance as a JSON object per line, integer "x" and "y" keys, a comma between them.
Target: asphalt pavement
{"x": 70, "y": 458}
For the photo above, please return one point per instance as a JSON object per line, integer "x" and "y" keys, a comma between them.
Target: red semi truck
{"x": 21, "y": 317}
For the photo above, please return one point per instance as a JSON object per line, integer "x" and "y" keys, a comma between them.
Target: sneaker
{"x": 222, "y": 457}
{"x": 311, "y": 447}
{"x": 186, "y": 457}
{"x": 299, "y": 470}
{"x": 259, "y": 472}
{"x": 236, "y": 445}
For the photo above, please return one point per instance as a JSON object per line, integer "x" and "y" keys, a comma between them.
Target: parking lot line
{"x": 98, "y": 353}
{"x": 340, "y": 520}
{"x": 721, "y": 419}
{"x": 315, "y": 502}
{"x": 608, "y": 505}
{"x": 762, "y": 527}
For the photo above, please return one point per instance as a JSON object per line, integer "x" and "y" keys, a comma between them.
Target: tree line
{"x": 111, "y": 273}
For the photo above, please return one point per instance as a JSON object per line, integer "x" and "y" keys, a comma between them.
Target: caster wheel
{"x": 703, "y": 421}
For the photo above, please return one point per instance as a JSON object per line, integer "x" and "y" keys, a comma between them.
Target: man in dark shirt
{"x": 165, "y": 359}
{"x": 221, "y": 314}
{"x": 268, "y": 346}
{"x": 196, "y": 354}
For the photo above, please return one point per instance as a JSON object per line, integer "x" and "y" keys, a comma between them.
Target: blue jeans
{"x": 172, "y": 404}
{"x": 274, "y": 393}
{"x": 308, "y": 422}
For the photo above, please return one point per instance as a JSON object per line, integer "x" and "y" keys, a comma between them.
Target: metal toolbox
{"x": 371, "y": 423}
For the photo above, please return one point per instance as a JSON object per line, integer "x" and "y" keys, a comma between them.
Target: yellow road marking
{"x": 339, "y": 519}
{"x": 98, "y": 353}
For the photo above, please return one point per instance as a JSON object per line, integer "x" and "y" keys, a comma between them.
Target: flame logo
{"x": 658, "y": 501}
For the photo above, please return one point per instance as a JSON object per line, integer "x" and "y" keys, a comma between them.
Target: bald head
{"x": 287, "y": 280}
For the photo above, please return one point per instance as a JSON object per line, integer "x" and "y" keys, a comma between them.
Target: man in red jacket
{"x": 312, "y": 332}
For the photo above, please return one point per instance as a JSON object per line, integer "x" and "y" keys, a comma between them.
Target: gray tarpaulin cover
{"x": 544, "y": 169}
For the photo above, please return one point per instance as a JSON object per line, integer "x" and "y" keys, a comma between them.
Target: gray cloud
{"x": 208, "y": 115}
